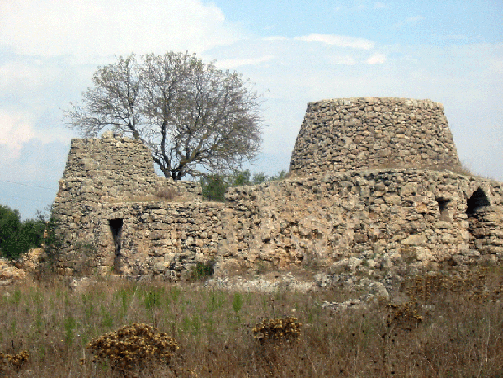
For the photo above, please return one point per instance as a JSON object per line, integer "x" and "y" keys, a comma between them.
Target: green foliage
{"x": 216, "y": 301}
{"x": 69, "y": 324}
{"x": 174, "y": 293}
{"x": 202, "y": 271}
{"x": 243, "y": 178}
{"x": 259, "y": 178}
{"x": 214, "y": 186}
{"x": 152, "y": 298}
{"x": 237, "y": 302}
{"x": 107, "y": 319}
{"x": 124, "y": 296}
{"x": 280, "y": 176}
{"x": 16, "y": 236}
{"x": 191, "y": 324}
{"x": 239, "y": 178}
{"x": 16, "y": 297}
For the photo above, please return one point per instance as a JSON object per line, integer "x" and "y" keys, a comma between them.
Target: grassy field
{"x": 450, "y": 326}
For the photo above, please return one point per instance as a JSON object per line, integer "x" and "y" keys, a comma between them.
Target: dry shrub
{"x": 167, "y": 194}
{"x": 476, "y": 285}
{"x": 15, "y": 361}
{"x": 451, "y": 317}
{"x": 405, "y": 315}
{"x": 279, "y": 329}
{"x": 462, "y": 170}
{"x": 438, "y": 166}
{"x": 137, "y": 345}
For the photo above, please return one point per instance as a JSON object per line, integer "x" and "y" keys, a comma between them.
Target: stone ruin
{"x": 374, "y": 181}
{"x": 360, "y": 133}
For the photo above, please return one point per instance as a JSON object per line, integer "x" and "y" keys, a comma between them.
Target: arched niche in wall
{"x": 443, "y": 208}
{"x": 476, "y": 201}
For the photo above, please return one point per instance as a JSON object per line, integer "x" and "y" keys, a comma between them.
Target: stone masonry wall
{"x": 387, "y": 217}
{"x": 415, "y": 215}
{"x": 358, "y": 133}
{"x": 117, "y": 216}
{"x": 101, "y": 173}
{"x": 112, "y": 170}
{"x": 156, "y": 238}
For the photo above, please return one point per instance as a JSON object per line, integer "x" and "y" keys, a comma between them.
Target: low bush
{"x": 138, "y": 346}
{"x": 10, "y": 362}
{"x": 214, "y": 186}
{"x": 167, "y": 194}
{"x": 279, "y": 329}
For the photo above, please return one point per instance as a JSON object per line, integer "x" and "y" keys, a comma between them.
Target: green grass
{"x": 461, "y": 337}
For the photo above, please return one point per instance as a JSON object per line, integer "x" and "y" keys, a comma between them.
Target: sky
{"x": 293, "y": 52}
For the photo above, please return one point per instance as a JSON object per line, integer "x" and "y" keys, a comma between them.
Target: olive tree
{"x": 190, "y": 114}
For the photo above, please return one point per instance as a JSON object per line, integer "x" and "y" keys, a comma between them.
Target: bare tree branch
{"x": 191, "y": 115}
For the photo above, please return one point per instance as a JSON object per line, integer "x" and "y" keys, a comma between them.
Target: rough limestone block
{"x": 415, "y": 240}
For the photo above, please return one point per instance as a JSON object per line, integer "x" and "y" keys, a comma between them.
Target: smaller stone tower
{"x": 107, "y": 169}
{"x": 358, "y": 133}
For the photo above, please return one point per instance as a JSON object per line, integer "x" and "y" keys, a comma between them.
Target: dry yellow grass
{"x": 451, "y": 325}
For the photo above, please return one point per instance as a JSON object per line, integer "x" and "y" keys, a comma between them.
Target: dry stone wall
{"x": 100, "y": 174}
{"x": 154, "y": 238}
{"x": 113, "y": 170}
{"x": 116, "y": 216}
{"x": 385, "y": 217}
{"x": 404, "y": 215}
{"x": 358, "y": 133}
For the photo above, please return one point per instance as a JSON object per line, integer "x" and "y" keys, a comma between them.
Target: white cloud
{"x": 234, "y": 63}
{"x": 338, "y": 40}
{"x": 95, "y": 27}
{"x": 15, "y": 130}
{"x": 18, "y": 128}
{"x": 342, "y": 59}
{"x": 24, "y": 77}
{"x": 357, "y": 6}
{"x": 409, "y": 21}
{"x": 496, "y": 65}
{"x": 275, "y": 38}
{"x": 376, "y": 59}
{"x": 414, "y": 20}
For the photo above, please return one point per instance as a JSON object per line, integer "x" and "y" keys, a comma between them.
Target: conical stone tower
{"x": 346, "y": 134}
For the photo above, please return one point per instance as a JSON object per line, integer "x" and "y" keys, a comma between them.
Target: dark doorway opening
{"x": 116, "y": 228}
{"x": 476, "y": 201}
{"x": 443, "y": 208}
{"x": 476, "y": 222}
